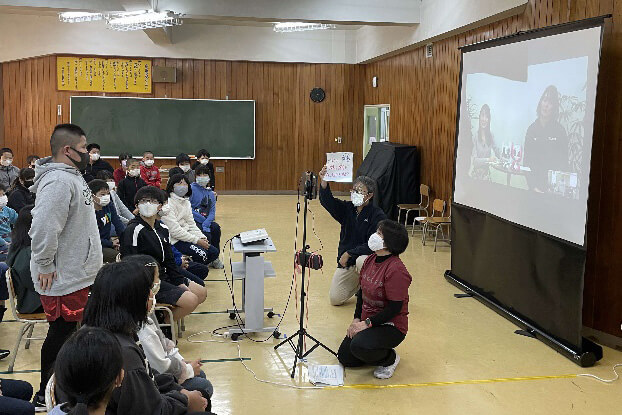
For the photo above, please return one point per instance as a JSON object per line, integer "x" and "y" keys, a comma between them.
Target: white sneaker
{"x": 217, "y": 264}
{"x": 385, "y": 372}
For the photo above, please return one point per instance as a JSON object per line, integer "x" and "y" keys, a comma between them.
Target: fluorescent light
{"x": 77, "y": 17}
{"x": 301, "y": 27}
{"x": 146, "y": 19}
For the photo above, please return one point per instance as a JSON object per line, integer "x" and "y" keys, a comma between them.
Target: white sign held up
{"x": 339, "y": 167}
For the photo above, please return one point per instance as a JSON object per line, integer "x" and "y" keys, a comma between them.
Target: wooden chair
{"x": 422, "y": 206}
{"x": 28, "y": 322}
{"x": 435, "y": 223}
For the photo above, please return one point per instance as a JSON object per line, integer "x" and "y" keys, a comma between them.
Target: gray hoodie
{"x": 64, "y": 230}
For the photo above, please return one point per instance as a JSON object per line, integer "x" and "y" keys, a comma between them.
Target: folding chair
{"x": 28, "y": 321}
{"x": 422, "y": 206}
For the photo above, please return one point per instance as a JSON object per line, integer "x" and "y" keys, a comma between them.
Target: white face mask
{"x": 134, "y": 172}
{"x": 357, "y": 199}
{"x": 104, "y": 200}
{"x": 204, "y": 161}
{"x": 94, "y": 156}
{"x": 124, "y": 163}
{"x": 3, "y": 201}
{"x": 148, "y": 209}
{"x": 180, "y": 190}
{"x": 185, "y": 168}
{"x": 375, "y": 242}
{"x": 149, "y": 163}
{"x": 203, "y": 180}
{"x": 7, "y": 162}
{"x": 153, "y": 304}
{"x": 165, "y": 210}
{"x": 112, "y": 186}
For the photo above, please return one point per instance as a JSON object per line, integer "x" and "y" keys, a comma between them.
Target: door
{"x": 376, "y": 126}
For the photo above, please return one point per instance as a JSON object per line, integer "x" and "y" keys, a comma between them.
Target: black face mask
{"x": 28, "y": 183}
{"x": 84, "y": 159}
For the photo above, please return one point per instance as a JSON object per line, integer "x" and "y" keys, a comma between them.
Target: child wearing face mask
{"x": 203, "y": 202}
{"x": 8, "y": 172}
{"x": 381, "y": 317}
{"x": 148, "y": 172}
{"x": 8, "y": 217}
{"x": 183, "y": 167}
{"x": 128, "y": 187}
{"x": 203, "y": 156}
{"x": 124, "y": 213}
{"x": 20, "y": 195}
{"x": 95, "y": 163}
{"x": 120, "y": 173}
{"x": 106, "y": 215}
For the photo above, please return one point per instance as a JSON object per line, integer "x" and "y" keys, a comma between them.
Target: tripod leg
{"x": 319, "y": 343}
{"x": 288, "y": 339}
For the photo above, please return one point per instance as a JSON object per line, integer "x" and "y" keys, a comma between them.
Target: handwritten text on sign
{"x": 75, "y": 73}
{"x": 339, "y": 167}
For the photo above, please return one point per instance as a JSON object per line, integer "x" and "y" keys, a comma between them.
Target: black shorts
{"x": 169, "y": 293}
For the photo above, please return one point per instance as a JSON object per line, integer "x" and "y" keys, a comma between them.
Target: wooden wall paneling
{"x": 2, "y": 121}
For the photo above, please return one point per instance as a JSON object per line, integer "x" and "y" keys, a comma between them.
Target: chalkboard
{"x": 167, "y": 126}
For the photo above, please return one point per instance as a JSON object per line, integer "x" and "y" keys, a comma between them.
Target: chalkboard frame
{"x": 183, "y": 99}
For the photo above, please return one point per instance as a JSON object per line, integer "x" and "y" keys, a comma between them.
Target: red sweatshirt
{"x": 151, "y": 175}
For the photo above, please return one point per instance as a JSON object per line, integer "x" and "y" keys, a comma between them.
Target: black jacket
{"x": 20, "y": 197}
{"x": 127, "y": 188}
{"x": 91, "y": 170}
{"x": 355, "y": 228}
{"x": 28, "y": 300}
{"x": 210, "y": 167}
{"x": 140, "y": 238}
{"x": 141, "y": 392}
{"x": 177, "y": 170}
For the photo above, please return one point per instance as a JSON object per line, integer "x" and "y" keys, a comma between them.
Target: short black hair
{"x": 124, "y": 156}
{"x": 65, "y": 135}
{"x": 96, "y": 185}
{"x": 143, "y": 261}
{"x": 87, "y": 367}
{"x": 395, "y": 236}
{"x": 149, "y": 152}
{"x": 91, "y": 146}
{"x": 26, "y": 173}
{"x": 32, "y": 158}
{"x": 5, "y": 150}
{"x": 202, "y": 169}
{"x": 104, "y": 175}
{"x": 119, "y": 296}
{"x": 203, "y": 153}
{"x": 182, "y": 158}
{"x": 172, "y": 181}
{"x": 132, "y": 160}
{"x": 151, "y": 192}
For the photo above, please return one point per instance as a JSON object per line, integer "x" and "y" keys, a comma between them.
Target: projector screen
{"x": 525, "y": 131}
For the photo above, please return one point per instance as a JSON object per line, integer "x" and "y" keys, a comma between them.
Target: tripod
{"x": 302, "y": 333}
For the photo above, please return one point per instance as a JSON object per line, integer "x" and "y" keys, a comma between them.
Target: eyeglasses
{"x": 359, "y": 191}
{"x": 154, "y": 201}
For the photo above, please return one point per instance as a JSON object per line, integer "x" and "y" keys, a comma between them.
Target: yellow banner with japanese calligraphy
{"x": 75, "y": 73}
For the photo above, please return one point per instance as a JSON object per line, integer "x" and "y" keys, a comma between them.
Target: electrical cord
{"x": 617, "y": 375}
{"x": 248, "y": 369}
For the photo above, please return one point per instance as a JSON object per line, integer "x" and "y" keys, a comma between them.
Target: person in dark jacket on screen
{"x": 20, "y": 195}
{"x": 359, "y": 219}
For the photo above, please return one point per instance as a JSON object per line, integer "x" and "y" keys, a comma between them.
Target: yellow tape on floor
{"x": 458, "y": 382}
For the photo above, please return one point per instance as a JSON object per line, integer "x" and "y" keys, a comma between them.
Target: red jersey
{"x": 151, "y": 175}
{"x": 383, "y": 282}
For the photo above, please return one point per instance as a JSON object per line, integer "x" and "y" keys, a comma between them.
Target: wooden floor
{"x": 458, "y": 358}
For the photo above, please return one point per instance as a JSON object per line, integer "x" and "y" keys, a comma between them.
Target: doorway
{"x": 376, "y": 125}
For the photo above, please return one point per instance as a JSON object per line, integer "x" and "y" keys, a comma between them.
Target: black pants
{"x": 59, "y": 331}
{"x": 372, "y": 346}
{"x": 15, "y": 399}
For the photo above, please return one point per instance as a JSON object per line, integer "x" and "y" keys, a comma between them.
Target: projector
{"x": 253, "y": 236}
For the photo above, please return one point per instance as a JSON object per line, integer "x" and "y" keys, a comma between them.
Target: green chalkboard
{"x": 167, "y": 126}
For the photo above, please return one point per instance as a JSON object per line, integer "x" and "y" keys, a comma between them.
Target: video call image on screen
{"x": 526, "y": 122}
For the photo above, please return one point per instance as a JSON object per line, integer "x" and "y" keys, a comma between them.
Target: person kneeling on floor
{"x": 381, "y": 317}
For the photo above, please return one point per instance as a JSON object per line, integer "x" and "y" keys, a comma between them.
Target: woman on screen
{"x": 484, "y": 150}
{"x": 546, "y": 142}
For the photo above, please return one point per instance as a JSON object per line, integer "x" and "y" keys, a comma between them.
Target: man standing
{"x": 66, "y": 248}
{"x": 359, "y": 219}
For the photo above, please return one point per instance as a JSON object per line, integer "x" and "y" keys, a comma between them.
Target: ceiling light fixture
{"x": 287, "y": 27}
{"x": 78, "y": 17}
{"x": 146, "y": 19}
